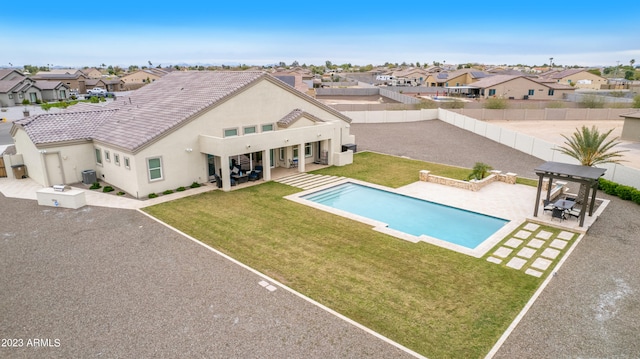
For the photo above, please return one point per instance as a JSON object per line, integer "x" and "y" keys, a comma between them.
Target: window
{"x": 127, "y": 163}
{"x": 308, "y": 150}
{"x": 550, "y": 92}
{"x": 154, "y": 166}
{"x": 20, "y": 95}
{"x": 281, "y": 155}
{"x": 532, "y": 92}
{"x": 98, "y": 156}
{"x": 107, "y": 156}
{"x": 10, "y": 95}
{"x": 63, "y": 94}
{"x": 295, "y": 152}
{"x": 492, "y": 92}
{"x": 268, "y": 127}
{"x": 230, "y": 132}
{"x": 249, "y": 130}
{"x": 116, "y": 159}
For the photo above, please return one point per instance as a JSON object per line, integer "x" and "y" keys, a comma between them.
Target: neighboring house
{"x": 139, "y": 78}
{"x": 631, "y": 127}
{"x": 91, "y": 73}
{"x": 518, "y": 87}
{"x": 186, "y": 127}
{"x": 579, "y": 78}
{"x": 413, "y": 74}
{"x": 74, "y": 81}
{"x": 93, "y": 83}
{"x": 460, "y": 77}
{"x": 15, "y": 87}
{"x": 114, "y": 84}
{"x": 52, "y": 91}
{"x": 293, "y": 78}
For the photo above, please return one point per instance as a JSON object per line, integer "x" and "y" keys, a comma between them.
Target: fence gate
{"x": 3, "y": 170}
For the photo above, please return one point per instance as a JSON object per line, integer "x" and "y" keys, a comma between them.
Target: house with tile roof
{"x": 75, "y": 80}
{"x": 186, "y": 127}
{"x": 139, "y": 78}
{"x": 15, "y": 87}
{"x": 518, "y": 87}
{"x": 461, "y": 77}
{"x": 580, "y": 78}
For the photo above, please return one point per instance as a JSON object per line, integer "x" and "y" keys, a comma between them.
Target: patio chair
{"x": 574, "y": 213}
{"x": 293, "y": 163}
{"x": 548, "y": 206}
{"x": 557, "y": 213}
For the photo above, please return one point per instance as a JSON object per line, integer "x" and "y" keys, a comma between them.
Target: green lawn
{"x": 437, "y": 302}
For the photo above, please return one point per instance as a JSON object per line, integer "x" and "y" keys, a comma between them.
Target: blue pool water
{"x": 411, "y": 215}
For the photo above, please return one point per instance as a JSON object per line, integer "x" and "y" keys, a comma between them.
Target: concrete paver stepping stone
{"x": 494, "y": 260}
{"x": 531, "y": 227}
{"x": 541, "y": 264}
{"x": 550, "y": 253}
{"x": 533, "y": 272}
{"x": 523, "y": 234}
{"x": 544, "y": 235}
{"x": 526, "y": 252}
{"x": 565, "y": 235}
{"x": 558, "y": 243}
{"x": 513, "y": 243}
{"x": 502, "y": 252}
{"x": 535, "y": 243}
{"x": 516, "y": 263}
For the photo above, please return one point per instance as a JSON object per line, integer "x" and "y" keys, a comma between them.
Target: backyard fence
{"x": 528, "y": 144}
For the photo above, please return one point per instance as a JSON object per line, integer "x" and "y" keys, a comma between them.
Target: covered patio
{"x": 584, "y": 175}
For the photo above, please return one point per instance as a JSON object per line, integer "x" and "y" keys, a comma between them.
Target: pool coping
{"x": 478, "y": 252}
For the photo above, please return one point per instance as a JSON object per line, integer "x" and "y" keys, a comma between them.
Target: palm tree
{"x": 590, "y": 148}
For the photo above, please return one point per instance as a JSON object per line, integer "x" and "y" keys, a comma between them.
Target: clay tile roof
{"x": 61, "y": 127}
{"x": 294, "y": 116}
{"x": 160, "y": 106}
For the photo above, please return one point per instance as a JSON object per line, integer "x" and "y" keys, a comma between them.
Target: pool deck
{"x": 513, "y": 202}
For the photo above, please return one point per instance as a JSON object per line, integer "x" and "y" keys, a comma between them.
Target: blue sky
{"x": 119, "y": 33}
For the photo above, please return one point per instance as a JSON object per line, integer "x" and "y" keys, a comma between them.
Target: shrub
{"x": 495, "y": 103}
{"x": 607, "y": 187}
{"x": 107, "y": 189}
{"x": 94, "y": 99}
{"x": 120, "y": 193}
{"x": 169, "y": 191}
{"x": 180, "y": 189}
{"x": 480, "y": 171}
{"x": 25, "y": 102}
{"x": 624, "y": 192}
{"x": 636, "y": 101}
{"x": 635, "y": 196}
{"x": 591, "y": 101}
{"x": 95, "y": 185}
{"x": 152, "y": 195}
{"x": 195, "y": 185}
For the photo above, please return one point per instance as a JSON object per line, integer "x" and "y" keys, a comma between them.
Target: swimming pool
{"x": 410, "y": 215}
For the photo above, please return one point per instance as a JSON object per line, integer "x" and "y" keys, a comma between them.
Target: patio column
{"x": 301, "y": 157}
{"x": 266, "y": 165}
{"x": 225, "y": 173}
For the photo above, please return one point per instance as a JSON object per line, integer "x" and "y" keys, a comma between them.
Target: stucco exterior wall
{"x": 519, "y": 87}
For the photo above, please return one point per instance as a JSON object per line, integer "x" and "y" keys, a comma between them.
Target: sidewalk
{"x": 26, "y": 189}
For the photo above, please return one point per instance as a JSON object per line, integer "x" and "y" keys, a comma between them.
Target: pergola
{"x": 584, "y": 175}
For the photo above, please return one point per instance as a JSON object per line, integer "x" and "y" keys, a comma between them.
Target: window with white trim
{"x": 249, "y": 130}
{"x": 107, "y": 156}
{"x": 281, "y": 154}
{"x": 229, "y": 132}
{"x": 127, "y": 163}
{"x": 267, "y": 127}
{"x": 308, "y": 149}
{"x": 98, "y": 156}
{"x": 116, "y": 159}
{"x": 154, "y": 168}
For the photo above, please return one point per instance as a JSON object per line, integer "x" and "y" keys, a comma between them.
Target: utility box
{"x": 89, "y": 177}
{"x": 19, "y": 171}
